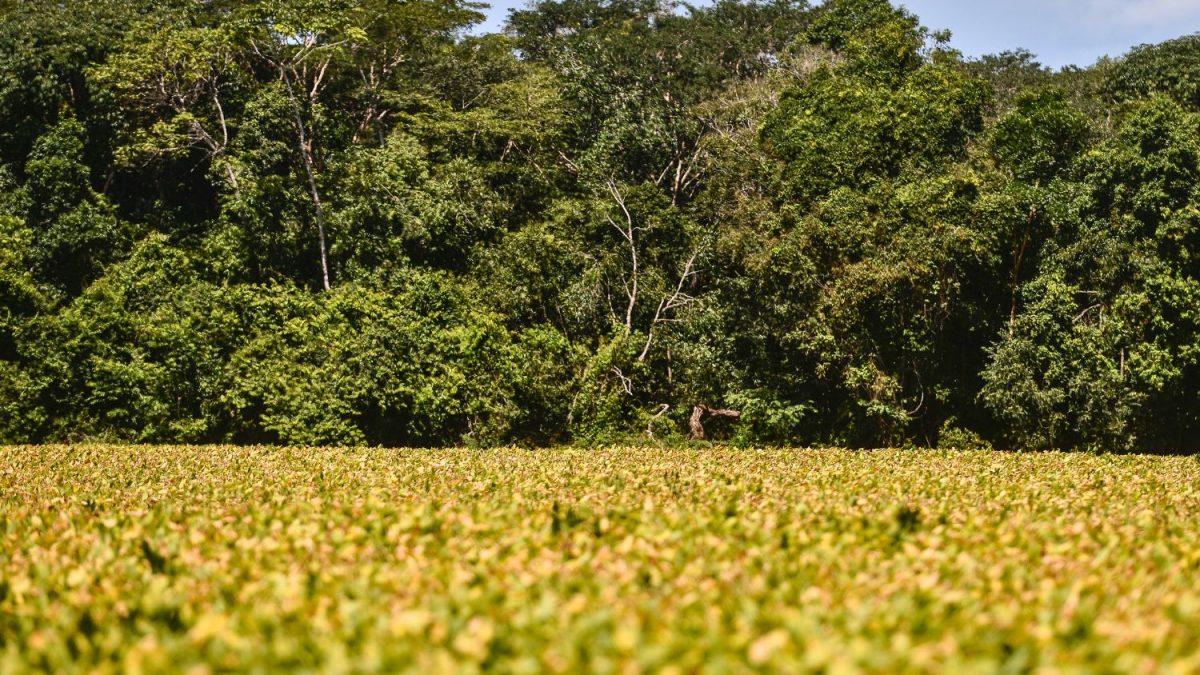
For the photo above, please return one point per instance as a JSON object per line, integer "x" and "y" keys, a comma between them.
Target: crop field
{"x": 205, "y": 559}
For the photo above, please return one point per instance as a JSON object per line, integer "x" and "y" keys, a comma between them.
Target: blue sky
{"x": 1060, "y": 32}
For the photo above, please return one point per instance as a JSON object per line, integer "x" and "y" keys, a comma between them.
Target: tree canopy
{"x": 358, "y": 222}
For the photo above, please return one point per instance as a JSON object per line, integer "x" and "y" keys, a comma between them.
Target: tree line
{"x": 769, "y": 222}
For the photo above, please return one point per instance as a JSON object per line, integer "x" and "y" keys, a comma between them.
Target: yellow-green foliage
{"x": 198, "y": 559}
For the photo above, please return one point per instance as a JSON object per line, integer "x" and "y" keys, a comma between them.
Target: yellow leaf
{"x": 762, "y": 649}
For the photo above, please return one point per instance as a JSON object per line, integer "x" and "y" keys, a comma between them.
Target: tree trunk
{"x": 702, "y": 411}
{"x": 306, "y": 156}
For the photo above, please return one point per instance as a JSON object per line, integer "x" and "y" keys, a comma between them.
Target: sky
{"x": 1059, "y": 32}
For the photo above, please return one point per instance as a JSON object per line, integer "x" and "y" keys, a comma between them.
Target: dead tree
{"x": 662, "y": 410}
{"x": 299, "y": 60}
{"x": 629, "y": 234}
{"x": 669, "y": 304}
{"x": 700, "y": 412}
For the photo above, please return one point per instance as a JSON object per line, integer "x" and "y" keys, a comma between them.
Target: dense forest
{"x": 359, "y": 222}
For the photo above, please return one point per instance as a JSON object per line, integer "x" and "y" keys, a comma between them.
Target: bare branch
{"x": 1079, "y": 317}
{"x": 318, "y": 79}
{"x": 629, "y": 233}
{"x": 662, "y": 410}
{"x": 626, "y": 383}
{"x": 572, "y": 166}
{"x": 668, "y": 303}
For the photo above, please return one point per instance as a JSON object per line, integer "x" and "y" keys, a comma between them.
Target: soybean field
{"x": 207, "y": 559}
